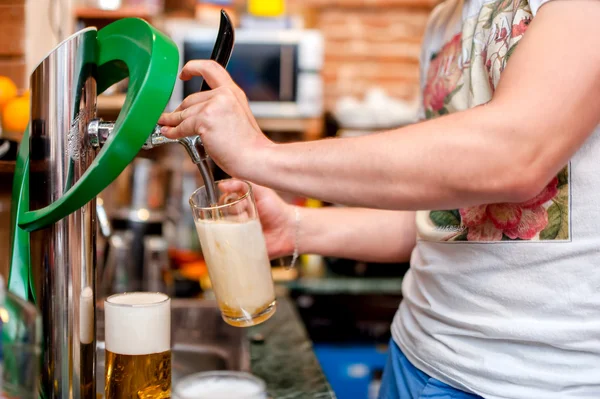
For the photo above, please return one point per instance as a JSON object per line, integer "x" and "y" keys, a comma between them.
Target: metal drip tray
{"x": 202, "y": 341}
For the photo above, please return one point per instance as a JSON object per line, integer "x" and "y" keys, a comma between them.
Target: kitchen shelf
{"x": 7, "y": 167}
{"x": 310, "y": 127}
{"x": 123, "y": 12}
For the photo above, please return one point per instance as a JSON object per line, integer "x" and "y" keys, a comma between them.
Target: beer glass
{"x": 20, "y": 347}
{"x": 220, "y": 384}
{"x": 235, "y": 252}
{"x": 138, "y": 346}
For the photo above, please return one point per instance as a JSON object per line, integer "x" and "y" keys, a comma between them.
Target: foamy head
{"x": 220, "y": 385}
{"x": 137, "y": 323}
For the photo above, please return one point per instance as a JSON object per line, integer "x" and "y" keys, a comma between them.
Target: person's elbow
{"x": 527, "y": 184}
{"x": 522, "y": 169}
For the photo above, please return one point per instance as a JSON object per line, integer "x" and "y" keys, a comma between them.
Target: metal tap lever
{"x": 156, "y": 139}
{"x": 99, "y": 131}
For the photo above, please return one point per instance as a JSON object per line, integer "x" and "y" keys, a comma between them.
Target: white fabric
{"x": 508, "y": 319}
{"x": 536, "y": 4}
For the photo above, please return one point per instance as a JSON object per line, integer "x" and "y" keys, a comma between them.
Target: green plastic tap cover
{"x": 131, "y": 48}
{"x": 18, "y": 278}
{"x": 152, "y": 61}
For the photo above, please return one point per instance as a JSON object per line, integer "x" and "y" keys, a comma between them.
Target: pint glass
{"x": 138, "y": 346}
{"x": 220, "y": 384}
{"x": 233, "y": 246}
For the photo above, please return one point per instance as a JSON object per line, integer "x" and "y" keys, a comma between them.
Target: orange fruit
{"x": 193, "y": 271}
{"x": 15, "y": 115}
{"x": 8, "y": 90}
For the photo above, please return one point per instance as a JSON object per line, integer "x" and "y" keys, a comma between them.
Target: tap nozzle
{"x": 157, "y": 139}
{"x": 99, "y": 131}
{"x": 194, "y": 148}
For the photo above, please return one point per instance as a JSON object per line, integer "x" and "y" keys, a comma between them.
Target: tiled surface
{"x": 285, "y": 357}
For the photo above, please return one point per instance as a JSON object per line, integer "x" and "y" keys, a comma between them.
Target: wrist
{"x": 252, "y": 162}
{"x": 294, "y": 223}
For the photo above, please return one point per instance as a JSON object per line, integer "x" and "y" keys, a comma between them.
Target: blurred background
{"x": 311, "y": 69}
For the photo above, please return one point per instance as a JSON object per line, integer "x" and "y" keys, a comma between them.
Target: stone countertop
{"x": 334, "y": 284}
{"x": 282, "y": 355}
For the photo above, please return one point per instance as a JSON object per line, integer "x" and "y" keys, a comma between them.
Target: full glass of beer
{"x": 221, "y": 385}
{"x": 235, "y": 252}
{"x": 138, "y": 346}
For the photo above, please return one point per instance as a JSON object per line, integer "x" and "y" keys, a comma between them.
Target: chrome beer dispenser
{"x": 60, "y": 171}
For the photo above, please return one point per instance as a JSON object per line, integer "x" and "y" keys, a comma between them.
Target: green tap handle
{"x": 151, "y": 60}
{"x": 18, "y": 276}
{"x": 128, "y": 47}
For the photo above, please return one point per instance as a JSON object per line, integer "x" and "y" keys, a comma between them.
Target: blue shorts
{"x": 402, "y": 380}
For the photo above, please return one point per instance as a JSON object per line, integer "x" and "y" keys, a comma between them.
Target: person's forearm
{"x": 544, "y": 108}
{"x": 362, "y": 234}
{"x": 445, "y": 163}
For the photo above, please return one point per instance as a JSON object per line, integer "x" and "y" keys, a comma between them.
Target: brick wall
{"x": 12, "y": 40}
{"x": 370, "y": 43}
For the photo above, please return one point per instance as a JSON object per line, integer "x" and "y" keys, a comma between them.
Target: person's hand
{"x": 221, "y": 117}
{"x": 276, "y": 217}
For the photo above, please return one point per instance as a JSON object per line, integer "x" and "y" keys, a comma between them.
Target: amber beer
{"x": 138, "y": 346}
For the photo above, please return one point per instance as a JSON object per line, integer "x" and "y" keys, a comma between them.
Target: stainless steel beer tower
{"x": 53, "y": 254}
{"x": 63, "y": 102}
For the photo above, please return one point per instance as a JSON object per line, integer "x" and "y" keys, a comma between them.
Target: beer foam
{"x": 221, "y": 388}
{"x": 238, "y": 264}
{"x": 137, "y": 323}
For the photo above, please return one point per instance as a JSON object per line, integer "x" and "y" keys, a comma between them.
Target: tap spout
{"x": 99, "y": 131}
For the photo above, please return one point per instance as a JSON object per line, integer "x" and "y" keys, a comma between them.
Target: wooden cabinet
{"x": 12, "y": 41}
{"x": 12, "y": 29}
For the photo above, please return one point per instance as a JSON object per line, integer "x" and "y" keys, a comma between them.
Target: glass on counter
{"x": 20, "y": 350}
{"x": 222, "y": 385}
{"x": 235, "y": 253}
{"x": 138, "y": 346}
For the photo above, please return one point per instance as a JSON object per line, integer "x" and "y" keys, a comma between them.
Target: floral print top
{"x": 461, "y": 73}
{"x": 503, "y": 300}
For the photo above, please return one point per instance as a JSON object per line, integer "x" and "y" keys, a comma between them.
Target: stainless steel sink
{"x": 202, "y": 341}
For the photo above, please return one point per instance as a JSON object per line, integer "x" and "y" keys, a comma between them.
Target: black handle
{"x": 223, "y": 46}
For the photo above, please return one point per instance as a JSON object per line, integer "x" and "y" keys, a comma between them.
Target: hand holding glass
{"x": 235, "y": 252}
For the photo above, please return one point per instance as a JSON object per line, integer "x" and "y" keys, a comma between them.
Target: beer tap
{"x": 59, "y": 173}
{"x": 99, "y": 131}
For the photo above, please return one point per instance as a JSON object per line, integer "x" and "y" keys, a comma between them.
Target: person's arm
{"x": 351, "y": 233}
{"x": 545, "y": 107}
{"x": 355, "y": 233}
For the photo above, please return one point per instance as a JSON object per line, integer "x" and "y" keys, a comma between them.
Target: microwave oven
{"x": 279, "y": 70}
